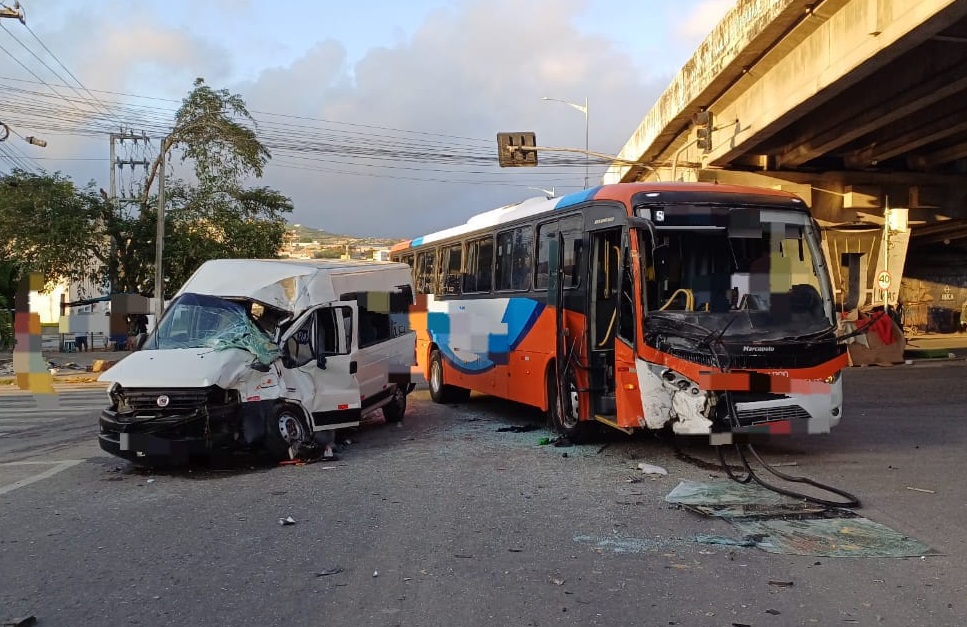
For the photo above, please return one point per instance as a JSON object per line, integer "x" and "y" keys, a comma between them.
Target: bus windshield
{"x": 764, "y": 282}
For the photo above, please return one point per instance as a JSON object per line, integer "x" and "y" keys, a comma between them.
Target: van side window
{"x": 300, "y": 347}
{"x": 335, "y": 330}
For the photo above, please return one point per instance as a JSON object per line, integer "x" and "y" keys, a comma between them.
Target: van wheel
{"x": 285, "y": 429}
{"x": 564, "y": 415}
{"x": 394, "y": 410}
{"x": 440, "y": 392}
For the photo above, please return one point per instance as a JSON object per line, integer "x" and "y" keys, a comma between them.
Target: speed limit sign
{"x": 883, "y": 280}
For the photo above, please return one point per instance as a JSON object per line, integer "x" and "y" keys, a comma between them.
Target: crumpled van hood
{"x": 179, "y": 368}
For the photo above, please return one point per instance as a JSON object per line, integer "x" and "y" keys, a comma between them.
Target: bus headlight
{"x": 833, "y": 378}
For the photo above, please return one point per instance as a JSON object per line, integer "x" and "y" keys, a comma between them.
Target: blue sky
{"x": 381, "y": 115}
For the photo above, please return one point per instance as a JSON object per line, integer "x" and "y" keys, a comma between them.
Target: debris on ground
{"x": 779, "y": 524}
{"x": 288, "y": 520}
{"x": 921, "y": 490}
{"x": 723, "y": 540}
{"x": 330, "y": 571}
{"x": 651, "y": 469}
{"x": 518, "y": 429}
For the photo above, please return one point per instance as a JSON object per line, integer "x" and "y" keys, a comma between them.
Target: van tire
{"x": 440, "y": 392}
{"x": 564, "y": 416}
{"x": 394, "y": 410}
{"x": 291, "y": 420}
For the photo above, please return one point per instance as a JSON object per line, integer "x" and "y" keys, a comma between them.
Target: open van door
{"x": 320, "y": 362}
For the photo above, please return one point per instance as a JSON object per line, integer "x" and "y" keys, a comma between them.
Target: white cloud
{"x": 468, "y": 73}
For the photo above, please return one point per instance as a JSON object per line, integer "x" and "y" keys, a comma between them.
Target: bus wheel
{"x": 285, "y": 429}
{"x": 440, "y": 392}
{"x": 564, "y": 415}
{"x": 394, "y": 410}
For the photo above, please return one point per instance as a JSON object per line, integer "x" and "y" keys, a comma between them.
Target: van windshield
{"x": 201, "y": 321}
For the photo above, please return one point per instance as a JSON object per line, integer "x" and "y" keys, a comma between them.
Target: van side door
{"x": 320, "y": 365}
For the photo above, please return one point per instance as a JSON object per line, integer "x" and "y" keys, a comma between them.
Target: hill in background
{"x": 302, "y": 233}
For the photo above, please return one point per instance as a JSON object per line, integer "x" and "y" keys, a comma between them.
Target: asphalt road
{"x": 445, "y": 521}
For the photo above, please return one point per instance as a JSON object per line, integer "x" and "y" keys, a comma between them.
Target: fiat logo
{"x": 163, "y": 401}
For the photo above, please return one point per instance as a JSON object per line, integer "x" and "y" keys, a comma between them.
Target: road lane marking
{"x": 50, "y": 472}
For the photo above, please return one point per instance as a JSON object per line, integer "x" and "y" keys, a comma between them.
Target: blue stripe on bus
{"x": 520, "y": 316}
{"x": 576, "y": 198}
{"x": 416, "y": 242}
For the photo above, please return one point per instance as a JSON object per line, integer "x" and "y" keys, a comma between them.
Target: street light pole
{"x": 159, "y": 277}
{"x": 583, "y": 109}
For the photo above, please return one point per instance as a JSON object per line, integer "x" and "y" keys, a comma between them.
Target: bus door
{"x": 629, "y": 411}
{"x": 603, "y": 301}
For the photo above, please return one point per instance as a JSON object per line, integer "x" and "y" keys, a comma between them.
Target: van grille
{"x": 180, "y": 400}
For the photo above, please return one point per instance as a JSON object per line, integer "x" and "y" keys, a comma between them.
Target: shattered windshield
{"x": 199, "y": 321}
{"x": 766, "y": 280}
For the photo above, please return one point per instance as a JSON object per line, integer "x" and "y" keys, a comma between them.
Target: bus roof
{"x": 622, "y": 192}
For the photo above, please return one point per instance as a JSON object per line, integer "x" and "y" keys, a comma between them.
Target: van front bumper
{"x": 166, "y": 440}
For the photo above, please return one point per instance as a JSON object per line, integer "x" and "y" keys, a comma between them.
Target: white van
{"x": 264, "y": 354}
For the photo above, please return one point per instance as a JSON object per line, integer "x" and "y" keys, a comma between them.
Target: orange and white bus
{"x": 702, "y": 308}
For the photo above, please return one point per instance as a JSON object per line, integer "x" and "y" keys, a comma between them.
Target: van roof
{"x": 294, "y": 284}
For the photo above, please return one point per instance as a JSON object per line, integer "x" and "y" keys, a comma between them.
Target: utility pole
{"x": 116, "y": 165}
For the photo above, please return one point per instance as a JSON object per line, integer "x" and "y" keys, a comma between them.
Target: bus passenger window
{"x": 572, "y": 230}
{"x": 480, "y": 261}
{"x": 425, "y": 277}
{"x": 515, "y": 256}
{"x": 505, "y": 265}
{"x": 451, "y": 269}
{"x": 544, "y": 233}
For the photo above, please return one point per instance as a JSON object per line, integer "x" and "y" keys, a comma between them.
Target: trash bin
{"x": 942, "y": 320}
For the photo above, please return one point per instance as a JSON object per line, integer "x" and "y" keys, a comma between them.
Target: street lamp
{"x": 583, "y": 109}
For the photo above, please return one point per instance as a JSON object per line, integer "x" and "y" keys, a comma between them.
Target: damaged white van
{"x": 263, "y": 354}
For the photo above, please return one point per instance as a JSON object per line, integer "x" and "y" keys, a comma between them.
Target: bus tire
{"x": 394, "y": 410}
{"x": 440, "y": 392}
{"x": 564, "y": 416}
{"x": 286, "y": 428}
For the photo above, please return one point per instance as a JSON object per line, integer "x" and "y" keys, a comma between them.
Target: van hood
{"x": 179, "y": 368}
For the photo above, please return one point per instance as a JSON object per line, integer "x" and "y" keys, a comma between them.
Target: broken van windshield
{"x": 769, "y": 281}
{"x": 200, "y": 321}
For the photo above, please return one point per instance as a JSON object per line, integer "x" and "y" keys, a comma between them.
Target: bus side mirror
{"x": 321, "y": 362}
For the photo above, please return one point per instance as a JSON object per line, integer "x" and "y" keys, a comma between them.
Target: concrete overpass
{"x": 858, "y": 106}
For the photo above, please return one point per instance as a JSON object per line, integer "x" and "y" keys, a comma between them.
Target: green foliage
{"x": 6, "y": 324}
{"x": 48, "y": 224}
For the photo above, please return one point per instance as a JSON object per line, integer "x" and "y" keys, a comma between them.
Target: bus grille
{"x": 771, "y": 414}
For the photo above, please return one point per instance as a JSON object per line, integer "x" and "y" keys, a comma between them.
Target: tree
{"x": 47, "y": 225}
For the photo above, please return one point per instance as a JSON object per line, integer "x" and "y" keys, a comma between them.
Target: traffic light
{"x": 512, "y": 149}
{"x": 703, "y": 129}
